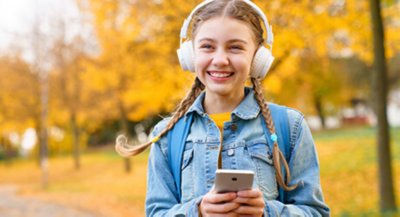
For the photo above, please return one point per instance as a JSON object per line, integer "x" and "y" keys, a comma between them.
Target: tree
{"x": 310, "y": 38}
{"x": 380, "y": 85}
{"x": 19, "y": 98}
{"x": 67, "y": 87}
{"x": 306, "y": 31}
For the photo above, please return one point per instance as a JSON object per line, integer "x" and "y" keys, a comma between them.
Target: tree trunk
{"x": 42, "y": 76}
{"x": 125, "y": 131}
{"x": 74, "y": 108}
{"x": 43, "y": 130}
{"x": 6, "y": 150}
{"x": 75, "y": 141}
{"x": 380, "y": 87}
{"x": 320, "y": 111}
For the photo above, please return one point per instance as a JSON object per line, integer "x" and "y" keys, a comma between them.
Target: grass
{"x": 348, "y": 177}
{"x": 349, "y": 173}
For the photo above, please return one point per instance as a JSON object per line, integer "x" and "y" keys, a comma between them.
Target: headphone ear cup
{"x": 186, "y": 56}
{"x": 261, "y": 63}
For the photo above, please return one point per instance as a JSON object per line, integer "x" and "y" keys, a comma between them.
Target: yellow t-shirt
{"x": 220, "y": 118}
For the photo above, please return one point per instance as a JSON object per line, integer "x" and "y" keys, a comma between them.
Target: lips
{"x": 220, "y": 74}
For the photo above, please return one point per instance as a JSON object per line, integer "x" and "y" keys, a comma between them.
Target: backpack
{"x": 178, "y": 134}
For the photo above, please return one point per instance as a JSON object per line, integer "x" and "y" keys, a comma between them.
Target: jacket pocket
{"x": 187, "y": 187}
{"x": 187, "y": 158}
{"x": 265, "y": 171}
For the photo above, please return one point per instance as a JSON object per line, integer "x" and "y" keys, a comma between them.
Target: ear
{"x": 186, "y": 56}
{"x": 262, "y": 62}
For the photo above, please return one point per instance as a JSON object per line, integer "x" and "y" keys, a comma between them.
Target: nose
{"x": 220, "y": 58}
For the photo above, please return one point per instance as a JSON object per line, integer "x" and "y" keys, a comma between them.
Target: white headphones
{"x": 262, "y": 60}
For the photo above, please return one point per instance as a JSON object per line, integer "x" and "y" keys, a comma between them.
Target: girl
{"x": 225, "y": 48}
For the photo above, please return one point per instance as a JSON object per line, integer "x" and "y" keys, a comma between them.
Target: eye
{"x": 236, "y": 47}
{"x": 206, "y": 46}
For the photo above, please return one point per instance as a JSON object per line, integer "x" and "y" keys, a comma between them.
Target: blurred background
{"x": 76, "y": 73}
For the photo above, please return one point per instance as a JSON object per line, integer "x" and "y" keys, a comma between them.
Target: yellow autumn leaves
{"x": 132, "y": 72}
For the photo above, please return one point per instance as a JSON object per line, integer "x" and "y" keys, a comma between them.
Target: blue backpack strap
{"x": 176, "y": 145}
{"x": 281, "y": 123}
{"x": 178, "y": 134}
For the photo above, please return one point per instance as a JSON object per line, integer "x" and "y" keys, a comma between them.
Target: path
{"x": 12, "y": 205}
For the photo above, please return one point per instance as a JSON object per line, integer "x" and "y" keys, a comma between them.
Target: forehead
{"x": 225, "y": 29}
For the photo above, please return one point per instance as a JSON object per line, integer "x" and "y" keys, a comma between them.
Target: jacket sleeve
{"x": 307, "y": 198}
{"x": 161, "y": 196}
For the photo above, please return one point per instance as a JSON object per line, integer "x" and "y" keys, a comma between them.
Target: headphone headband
{"x": 270, "y": 36}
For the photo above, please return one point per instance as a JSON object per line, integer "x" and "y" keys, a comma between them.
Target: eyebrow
{"x": 229, "y": 41}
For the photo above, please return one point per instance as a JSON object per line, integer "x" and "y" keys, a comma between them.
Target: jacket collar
{"x": 247, "y": 109}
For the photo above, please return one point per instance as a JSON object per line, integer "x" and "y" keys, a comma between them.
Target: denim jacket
{"x": 244, "y": 146}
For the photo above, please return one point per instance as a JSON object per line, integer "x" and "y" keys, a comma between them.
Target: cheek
{"x": 243, "y": 64}
{"x": 201, "y": 61}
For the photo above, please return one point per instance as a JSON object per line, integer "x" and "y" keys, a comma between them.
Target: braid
{"x": 195, "y": 91}
{"x": 276, "y": 152}
{"x": 127, "y": 150}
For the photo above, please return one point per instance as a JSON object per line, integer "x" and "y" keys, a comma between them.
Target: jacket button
{"x": 231, "y": 152}
{"x": 233, "y": 127}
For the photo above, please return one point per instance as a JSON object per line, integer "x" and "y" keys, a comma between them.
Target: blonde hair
{"x": 277, "y": 155}
{"x": 126, "y": 150}
{"x": 237, "y": 9}
{"x": 240, "y": 10}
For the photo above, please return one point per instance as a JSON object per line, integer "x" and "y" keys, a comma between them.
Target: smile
{"x": 219, "y": 74}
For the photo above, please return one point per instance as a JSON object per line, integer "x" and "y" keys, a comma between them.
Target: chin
{"x": 222, "y": 91}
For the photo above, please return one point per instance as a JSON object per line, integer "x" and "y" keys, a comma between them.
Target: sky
{"x": 18, "y": 16}
{"x": 15, "y": 15}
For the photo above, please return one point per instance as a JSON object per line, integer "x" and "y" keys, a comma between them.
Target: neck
{"x": 214, "y": 104}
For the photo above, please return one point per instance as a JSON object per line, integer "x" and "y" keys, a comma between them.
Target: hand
{"x": 218, "y": 204}
{"x": 251, "y": 203}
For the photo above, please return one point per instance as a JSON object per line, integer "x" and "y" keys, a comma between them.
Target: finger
{"x": 230, "y": 214}
{"x": 220, "y": 198}
{"x": 249, "y": 201}
{"x": 220, "y": 208}
{"x": 252, "y": 197}
{"x": 243, "y": 200}
{"x": 250, "y": 193}
{"x": 249, "y": 210}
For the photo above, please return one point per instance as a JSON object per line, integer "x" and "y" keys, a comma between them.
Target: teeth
{"x": 220, "y": 75}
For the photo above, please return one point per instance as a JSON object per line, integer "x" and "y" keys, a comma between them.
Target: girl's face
{"x": 224, "y": 48}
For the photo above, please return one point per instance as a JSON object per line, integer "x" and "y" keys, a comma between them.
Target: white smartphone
{"x": 227, "y": 180}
